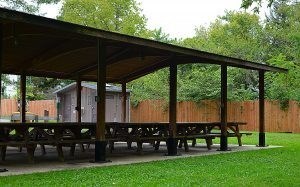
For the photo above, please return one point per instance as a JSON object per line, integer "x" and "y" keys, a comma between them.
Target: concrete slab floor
{"x": 16, "y": 162}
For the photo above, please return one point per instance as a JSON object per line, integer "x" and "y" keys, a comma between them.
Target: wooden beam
{"x": 158, "y": 65}
{"x": 110, "y": 60}
{"x": 54, "y": 56}
{"x": 146, "y": 70}
{"x": 262, "y": 140}
{"x": 1, "y": 61}
{"x": 223, "y": 139}
{"x": 101, "y": 88}
{"x": 100, "y": 142}
{"x": 124, "y": 102}
{"x": 173, "y": 99}
{"x": 35, "y": 73}
{"x": 78, "y": 107}
{"x": 23, "y": 98}
{"x": 172, "y": 141}
{"x": 27, "y": 64}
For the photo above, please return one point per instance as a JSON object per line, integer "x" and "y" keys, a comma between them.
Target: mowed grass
{"x": 271, "y": 167}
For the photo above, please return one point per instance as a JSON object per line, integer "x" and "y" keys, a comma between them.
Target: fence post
{"x": 46, "y": 116}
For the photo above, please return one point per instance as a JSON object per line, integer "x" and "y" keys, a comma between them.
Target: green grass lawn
{"x": 272, "y": 167}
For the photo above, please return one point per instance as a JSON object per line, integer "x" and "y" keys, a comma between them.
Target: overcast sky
{"x": 179, "y": 18}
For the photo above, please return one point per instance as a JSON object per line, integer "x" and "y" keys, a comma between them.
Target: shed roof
{"x": 109, "y": 87}
{"x": 40, "y": 46}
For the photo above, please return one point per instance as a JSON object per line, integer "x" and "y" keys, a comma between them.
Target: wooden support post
{"x": 223, "y": 139}
{"x": 172, "y": 141}
{"x": 262, "y": 138}
{"x": 1, "y": 59}
{"x": 100, "y": 143}
{"x": 124, "y": 102}
{"x": 23, "y": 98}
{"x": 78, "y": 93}
{"x": 3, "y": 147}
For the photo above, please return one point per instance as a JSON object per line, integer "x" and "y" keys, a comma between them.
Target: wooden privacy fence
{"x": 38, "y": 107}
{"x": 9, "y": 106}
{"x": 277, "y": 120}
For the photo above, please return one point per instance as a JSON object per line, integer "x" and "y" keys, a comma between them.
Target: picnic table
{"x": 69, "y": 134}
{"x": 30, "y": 134}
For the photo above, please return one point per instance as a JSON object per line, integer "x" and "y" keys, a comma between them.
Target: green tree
{"x": 152, "y": 86}
{"x": 283, "y": 43}
{"x": 257, "y": 4}
{"x": 197, "y": 82}
{"x": 283, "y": 31}
{"x": 236, "y": 34}
{"x": 6, "y": 81}
{"x": 29, "y": 6}
{"x": 39, "y": 88}
{"x": 123, "y": 16}
{"x": 161, "y": 36}
{"x": 282, "y": 86}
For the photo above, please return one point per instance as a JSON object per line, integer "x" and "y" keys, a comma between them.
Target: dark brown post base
{"x": 262, "y": 140}
{"x": 100, "y": 152}
{"x": 3, "y": 152}
{"x": 172, "y": 147}
{"x": 223, "y": 144}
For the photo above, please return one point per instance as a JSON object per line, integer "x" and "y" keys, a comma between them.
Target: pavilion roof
{"x": 39, "y": 46}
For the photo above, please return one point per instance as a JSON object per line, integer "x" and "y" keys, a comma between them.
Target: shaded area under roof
{"x": 39, "y": 46}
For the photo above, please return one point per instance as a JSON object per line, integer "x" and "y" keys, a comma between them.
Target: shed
{"x": 66, "y": 98}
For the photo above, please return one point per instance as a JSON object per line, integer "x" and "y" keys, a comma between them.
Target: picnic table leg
{"x": 3, "y": 152}
{"x": 194, "y": 142}
{"x": 139, "y": 147}
{"x": 111, "y": 146}
{"x": 43, "y": 149}
{"x": 60, "y": 152}
{"x": 180, "y": 143}
{"x": 156, "y": 146}
{"x": 208, "y": 143}
{"x": 186, "y": 146}
{"x": 30, "y": 151}
{"x": 239, "y": 138}
{"x": 129, "y": 143}
{"x": 81, "y": 147}
{"x": 236, "y": 131}
{"x": 72, "y": 150}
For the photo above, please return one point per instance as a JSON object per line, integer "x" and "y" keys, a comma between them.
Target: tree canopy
{"x": 123, "y": 16}
{"x": 275, "y": 41}
{"x": 29, "y": 6}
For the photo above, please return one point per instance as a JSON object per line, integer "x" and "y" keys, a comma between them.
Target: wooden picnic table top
{"x": 87, "y": 124}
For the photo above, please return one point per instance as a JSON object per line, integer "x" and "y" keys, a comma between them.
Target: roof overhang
{"x": 39, "y": 46}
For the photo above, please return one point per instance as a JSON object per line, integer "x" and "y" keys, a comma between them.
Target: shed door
{"x": 110, "y": 108}
{"x": 67, "y": 108}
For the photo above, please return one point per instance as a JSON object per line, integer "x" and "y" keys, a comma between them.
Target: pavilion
{"x": 37, "y": 46}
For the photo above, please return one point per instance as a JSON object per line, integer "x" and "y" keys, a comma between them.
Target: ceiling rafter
{"x": 146, "y": 70}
